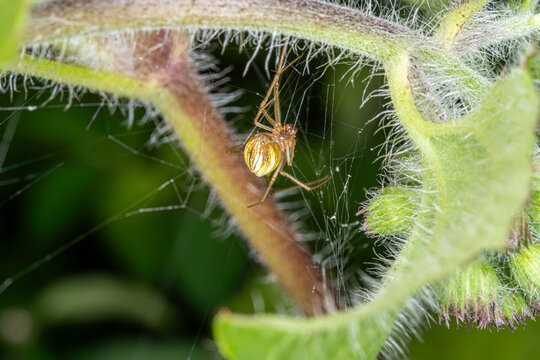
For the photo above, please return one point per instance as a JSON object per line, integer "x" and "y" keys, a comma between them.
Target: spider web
{"x": 335, "y": 117}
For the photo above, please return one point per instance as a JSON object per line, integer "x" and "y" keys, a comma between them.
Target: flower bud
{"x": 525, "y": 269}
{"x": 477, "y": 296}
{"x": 390, "y": 212}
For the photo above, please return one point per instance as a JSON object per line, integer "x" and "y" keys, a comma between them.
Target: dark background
{"x": 146, "y": 286}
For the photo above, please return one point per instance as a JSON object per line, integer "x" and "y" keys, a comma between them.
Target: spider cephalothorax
{"x": 268, "y": 151}
{"x": 286, "y": 138}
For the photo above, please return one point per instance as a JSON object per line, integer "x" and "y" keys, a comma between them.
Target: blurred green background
{"x": 153, "y": 257}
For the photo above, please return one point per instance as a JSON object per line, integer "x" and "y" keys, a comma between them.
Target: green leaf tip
{"x": 340, "y": 336}
{"x": 13, "y": 16}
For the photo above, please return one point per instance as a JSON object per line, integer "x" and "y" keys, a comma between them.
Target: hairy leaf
{"x": 476, "y": 177}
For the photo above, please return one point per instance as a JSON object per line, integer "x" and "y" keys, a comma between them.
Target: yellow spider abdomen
{"x": 262, "y": 155}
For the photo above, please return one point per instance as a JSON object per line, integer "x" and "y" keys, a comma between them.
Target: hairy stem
{"x": 316, "y": 21}
{"x": 473, "y": 38}
{"x": 309, "y": 19}
{"x": 453, "y": 21}
{"x": 167, "y": 79}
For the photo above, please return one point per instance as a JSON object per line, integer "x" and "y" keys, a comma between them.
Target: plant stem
{"x": 313, "y": 20}
{"x": 316, "y": 21}
{"x": 169, "y": 82}
{"x": 453, "y": 21}
{"x": 473, "y": 38}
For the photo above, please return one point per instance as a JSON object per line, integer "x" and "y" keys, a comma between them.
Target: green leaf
{"x": 94, "y": 298}
{"x": 477, "y": 172}
{"x": 476, "y": 177}
{"x": 12, "y": 20}
{"x": 142, "y": 348}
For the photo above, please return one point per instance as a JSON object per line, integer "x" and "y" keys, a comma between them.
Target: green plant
{"x": 463, "y": 157}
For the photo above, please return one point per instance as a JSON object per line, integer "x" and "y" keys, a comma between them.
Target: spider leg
{"x": 277, "y": 108}
{"x": 262, "y": 111}
{"x": 295, "y": 186}
{"x": 269, "y": 118}
{"x": 273, "y": 88}
{"x": 289, "y": 154}
{"x": 262, "y": 107}
{"x": 272, "y": 181}
{"x": 301, "y": 184}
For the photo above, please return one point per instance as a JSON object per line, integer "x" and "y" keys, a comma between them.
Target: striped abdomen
{"x": 262, "y": 155}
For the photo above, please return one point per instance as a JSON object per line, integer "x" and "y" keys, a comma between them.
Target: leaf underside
{"x": 476, "y": 177}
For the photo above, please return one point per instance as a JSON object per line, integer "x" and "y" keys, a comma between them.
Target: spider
{"x": 268, "y": 151}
